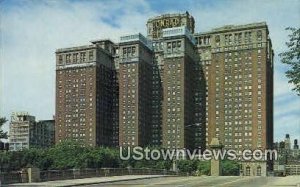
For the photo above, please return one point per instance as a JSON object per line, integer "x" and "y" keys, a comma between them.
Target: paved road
{"x": 208, "y": 182}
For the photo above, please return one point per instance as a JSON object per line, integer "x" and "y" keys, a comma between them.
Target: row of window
{"x": 129, "y": 51}
{"x": 76, "y": 57}
{"x": 230, "y": 38}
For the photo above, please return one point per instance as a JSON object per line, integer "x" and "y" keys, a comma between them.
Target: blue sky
{"x": 32, "y": 30}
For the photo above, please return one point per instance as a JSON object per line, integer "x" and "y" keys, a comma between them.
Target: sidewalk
{"x": 288, "y": 181}
{"x": 86, "y": 181}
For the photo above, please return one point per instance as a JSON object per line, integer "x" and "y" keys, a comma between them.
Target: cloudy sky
{"x": 32, "y": 30}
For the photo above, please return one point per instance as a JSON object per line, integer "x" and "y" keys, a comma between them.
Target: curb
{"x": 91, "y": 182}
{"x": 121, "y": 180}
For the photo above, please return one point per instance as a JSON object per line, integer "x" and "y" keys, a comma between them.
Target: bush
{"x": 230, "y": 168}
{"x": 203, "y": 168}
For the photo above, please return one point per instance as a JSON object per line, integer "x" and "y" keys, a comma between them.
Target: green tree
{"x": 3, "y": 135}
{"x": 187, "y": 166}
{"x": 67, "y": 154}
{"x": 203, "y": 168}
{"x": 153, "y": 164}
{"x": 36, "y": 157}
{"x": 230, "y": 168}
{"x": 163, "y": 164}
{"x": 72, "y": 154}
{"x": 12, "y": 160}
{"x": 291, "y": 57}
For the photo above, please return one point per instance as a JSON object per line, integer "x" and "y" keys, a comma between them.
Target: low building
{"x": 288, "y": 162}
{"x": 19, "y": 130}
{"x": 253, "y": 168}
{"x": 43, "y": 134}
{"x": 25, "y": 132}
{"x": 292, "y": 169}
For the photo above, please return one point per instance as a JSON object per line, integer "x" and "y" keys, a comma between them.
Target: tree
{"x": 3, "y": 135}
{"x": 67, "y": 154}
{"x": 230, "y": 168}
{"x": 187, "y": 166}
{"x": 291, "y": 57}
{"x": 203, "y": 168}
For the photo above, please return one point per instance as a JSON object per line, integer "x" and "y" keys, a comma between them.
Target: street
{"x": 209, "y": 181}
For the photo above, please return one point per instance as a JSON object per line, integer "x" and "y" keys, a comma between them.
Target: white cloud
{"x": 33, "y": 32}
{"x": 289, "y": 124}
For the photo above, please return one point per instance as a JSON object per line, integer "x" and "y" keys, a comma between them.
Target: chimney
{"x": 296, "y": 146}
{"x": 287, "y": 136}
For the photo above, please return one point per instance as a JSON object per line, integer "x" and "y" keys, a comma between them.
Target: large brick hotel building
{"x": 174, "y": 87}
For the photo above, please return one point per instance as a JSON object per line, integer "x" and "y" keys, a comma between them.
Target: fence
{"x": 13, "y": 177}
{"x": 52, "y": 175}
{"x": 292, "y": 169}
{"x": 103, "y": 172}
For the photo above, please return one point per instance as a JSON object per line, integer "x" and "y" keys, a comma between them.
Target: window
{"x": 68, "y": 58}
{"x": 75, "y": 57}
{"x": 129, "y": 50}
{"x": 217, "y": 39}
{"x": 82, "y": 57}
{"x": 133, "y": 50}
{"x": 248, "y": 171}
{"x": 173, "y": 44}
{"x": 258, "y": 172}
{"x": 179, "y": 44}
{"x": 91, "y": 55}
{"x": 169, "y": 45}
{"x": 247, "y": 37}
{"x": 60, "y": 59}
{"x": 259, "y": 35}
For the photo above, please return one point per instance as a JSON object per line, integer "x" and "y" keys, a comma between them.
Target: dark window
{"x": 258, "y": 173}
{"x": 91, "y": 55}
{"x": 60, "y": 59}
{"x": 248, "y": 171}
